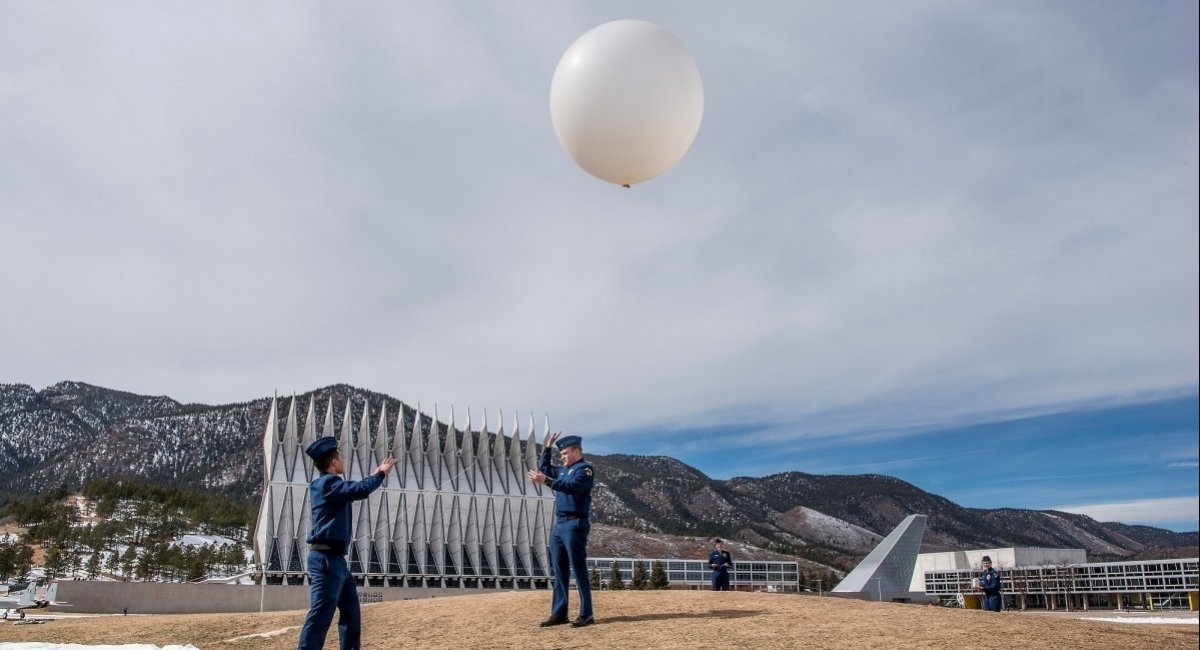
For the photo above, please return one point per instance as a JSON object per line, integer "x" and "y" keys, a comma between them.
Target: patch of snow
{"x": 37, "y": 645}
{"x": 261, "y": 635}
{"x": 1149, "y": 620}
{"x": 827, "y": 529}
{"x": 201, "y": 540}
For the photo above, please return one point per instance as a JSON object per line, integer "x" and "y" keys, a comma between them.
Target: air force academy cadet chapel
{"x": 456, "y": 512}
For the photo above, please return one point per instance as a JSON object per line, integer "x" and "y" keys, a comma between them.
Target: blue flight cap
{"x": 568, "y": 441}
{"x": 320, "y": 446}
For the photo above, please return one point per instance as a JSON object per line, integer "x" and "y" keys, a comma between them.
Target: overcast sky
{"x": 895, "y": 217}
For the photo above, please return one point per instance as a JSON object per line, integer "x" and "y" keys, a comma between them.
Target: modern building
{"x": 747, "y": 575}
{"x": 1146, "y": 584}
{"x": 886, "y": 573}
{"x": 1051, "y": 578}
{"x": 456, "y": 512}
{"x": 1002, "y": 560}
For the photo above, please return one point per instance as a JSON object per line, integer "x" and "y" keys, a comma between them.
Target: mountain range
{"x": 71, "y": 432}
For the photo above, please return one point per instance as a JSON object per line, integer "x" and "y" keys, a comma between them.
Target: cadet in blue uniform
{"x": 572, "y": 485}
{"x": 332, "y": 586}
{"x": 989, "y": 582}
{"x": 721, "y": 562}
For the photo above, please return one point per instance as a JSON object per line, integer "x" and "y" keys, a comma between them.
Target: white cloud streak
{"x": 1140, "y": 511}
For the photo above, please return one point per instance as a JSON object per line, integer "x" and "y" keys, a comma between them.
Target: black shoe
{"x": 553, "y": 620}
{"x": 583, "y": 622}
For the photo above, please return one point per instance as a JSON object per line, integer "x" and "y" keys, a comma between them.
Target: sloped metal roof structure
{"x": 457, "y": 510}
{"x": 888, "y": 568}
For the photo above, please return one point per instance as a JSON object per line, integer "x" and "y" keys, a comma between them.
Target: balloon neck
{"x": 625, "y": 185}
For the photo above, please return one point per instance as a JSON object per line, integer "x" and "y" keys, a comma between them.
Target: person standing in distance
{"x": 989, "y": 582}
{"x": 721, "y": 562}
{"x": 330, "y": 582}
{"x": 572, "y": 484}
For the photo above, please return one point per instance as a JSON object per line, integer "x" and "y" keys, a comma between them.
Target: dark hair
{"x": 325, "y": 459}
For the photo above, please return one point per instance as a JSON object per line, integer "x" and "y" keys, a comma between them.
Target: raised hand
{"x": 386, "y": 466}
{"x": 550, "y": 438}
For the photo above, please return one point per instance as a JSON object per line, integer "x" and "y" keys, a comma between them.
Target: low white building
{"x": 1053, "y": 578}
{"x": 1002, "y": 558}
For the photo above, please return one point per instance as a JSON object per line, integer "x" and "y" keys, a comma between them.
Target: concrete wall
{"x": 96, "y": 597}
{"x": 1050, "y": 556}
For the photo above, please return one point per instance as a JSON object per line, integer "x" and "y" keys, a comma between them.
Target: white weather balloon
{"x": 626, "y": 101}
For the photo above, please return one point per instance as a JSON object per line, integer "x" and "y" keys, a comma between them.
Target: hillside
{"x": 838, "y": 518}
{"x": 72, "y": 432}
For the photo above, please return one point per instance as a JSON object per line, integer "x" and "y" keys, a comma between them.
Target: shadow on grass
{"x": 667, "y": 616}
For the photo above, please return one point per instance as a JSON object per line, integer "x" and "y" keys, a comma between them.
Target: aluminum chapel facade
{"x": 456, "y": 512}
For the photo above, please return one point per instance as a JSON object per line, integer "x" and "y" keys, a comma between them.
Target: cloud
{"x": 1183, "y": 464}
{"x": 1146, "y": 511}
{"x": 215, "y": 201}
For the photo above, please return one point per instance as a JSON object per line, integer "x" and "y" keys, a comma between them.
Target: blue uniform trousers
{"x": 568, "y": 552}
{"x": 331, "y": 587}
{"x": 720, "y": 580}
{"x": 991, "y": 602}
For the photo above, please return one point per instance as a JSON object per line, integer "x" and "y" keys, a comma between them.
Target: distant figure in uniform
{"x": 332, "y": 586}
{"x": 989, "y": 582}
{"x": 721, "y": 562}
{"x": 572, "y": 485}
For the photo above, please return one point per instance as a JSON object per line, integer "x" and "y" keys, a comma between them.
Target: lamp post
{"x": 879, "y": 583}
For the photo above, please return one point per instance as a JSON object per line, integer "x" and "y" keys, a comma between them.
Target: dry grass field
{"x": 662, "y": 619}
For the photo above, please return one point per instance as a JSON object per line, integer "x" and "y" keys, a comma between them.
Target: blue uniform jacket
{"x": 989, "y": 581}
{"x": 330, "y": 497}
{"x": 720, "y": 561}
{"x": 572, "y": 486}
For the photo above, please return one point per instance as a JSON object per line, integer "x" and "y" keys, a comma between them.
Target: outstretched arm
{"x": 355, "y": 490}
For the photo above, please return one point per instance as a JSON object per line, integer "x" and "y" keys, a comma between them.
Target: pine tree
{"x": 196, "y": 568}
{"x": 658, "y": 577}
{"x": 614, "y": 577}
{"x": 114, "y": 562}
{"x": 23, "y": 560}
{"x": 594, "y": 578}
{"x": 234, "y": 558}
{"x": 128, "y": 560}
{"x": 144, "y": 567}
{"x": 640, "y": 579}
{"x": 93, "y": 566}
{"x": 55, "y": 562}
{"x": 74, "y": 560}
{"x": 8, "y": 556}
